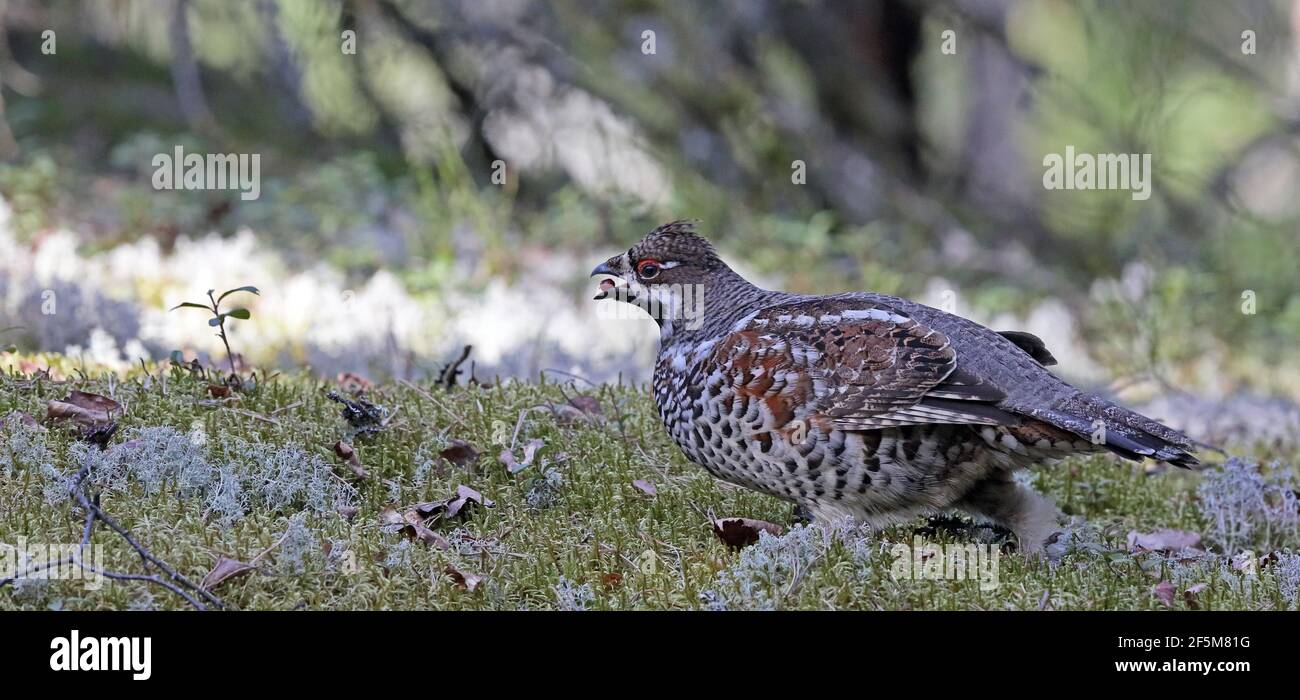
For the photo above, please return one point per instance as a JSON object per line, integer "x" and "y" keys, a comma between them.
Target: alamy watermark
{"x": 89, "y": 653}
{"x": 1101, "y": 171}
{"x": 666, "y": 302}
{"x": 31, "y": 561}
{"x": 950, "y": 562}
{"x": 211, "y": 171}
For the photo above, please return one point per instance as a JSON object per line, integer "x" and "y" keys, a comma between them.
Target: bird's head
{"x": 668, "y": 264}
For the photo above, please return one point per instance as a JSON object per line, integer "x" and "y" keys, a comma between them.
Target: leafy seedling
{"x": 218, "y": 320}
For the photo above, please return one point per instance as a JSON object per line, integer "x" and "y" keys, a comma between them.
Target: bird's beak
{"x": 610, "y": 285}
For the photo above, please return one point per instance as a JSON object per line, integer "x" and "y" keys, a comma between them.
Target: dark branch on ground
{"x": 173, "y": 581}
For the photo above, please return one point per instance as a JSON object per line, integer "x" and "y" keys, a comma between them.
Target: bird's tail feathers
{"x": 1127, "y": 433}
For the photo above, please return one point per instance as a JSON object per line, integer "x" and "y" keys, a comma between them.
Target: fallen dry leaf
{"x": 1164, "y": 592}
{"x": 612, "y": 579}
{"x": 646, "y": 486}
{"x": 1189, "y": 595}
{"x": 218, "y": 391}
{"x": 465, "y": 497}
{"x": 410, "y": 524}
{"x": 349, "y": 456}
{"x": 579, "y": 409}
{"x": 589, "y": 405}
{"x": 742, "y": 532}
{"x": 468, "y": 581}
{"x": 83, "y": 408}
{"x": 24, "y": 418}
{"x": 348, "y": 512}
{"x": 514, "y": 466}
{"x": 1162, "y": 540}
{"x": 461, "y": 454}
{"x": 354, "y": 383}
{"x": 414, "y": 521}
{"x": 224, "y": 570}
{"x": 430, "y": 509}
{"x": 427, "y": 536}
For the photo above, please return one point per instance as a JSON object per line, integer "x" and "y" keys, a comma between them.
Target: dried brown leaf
{"x": 426, "y": 536}
{"x": 390, "y": 516}
{"x": 430, "y": 509}
{"x": 530, "y": 453}
{"x": 1190, "y": 595}
{"x": 589, "y": 405}
{"x": 224, "y": 570}
{"x": 354, "y": 383}
{"x": 579, "y": 409}
{"x": 461, "y": 454}
{"x": 742, "y": 532}
{"x": 468, "y": 581}
{"x": 1164, "y": 592}
{"x": 24, "y": 418}
{"x": 411, "y": 525}
{"x": 465, "y": 497}
{"x": 83, "y": 408}
{"x": 349, "y": 456}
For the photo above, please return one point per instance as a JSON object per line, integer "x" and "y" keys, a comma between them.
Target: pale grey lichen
{"x": 544, "y": 490}
{"x": 28, "y": 447}
{"x": 398, "y": 555}
{"x": 571, "y": 597}
{"x": 152, "y": 457}
{"x": 278, "y": 478}
{"x": 300, "y": 548}
{"x": 1244, "y": 508}
{"x": 767, "y": 569}
{"x": 237, "y": 476}
{"x": 1078, "y": 537}
{"x": 428, "y": 459}
{"x": 1287, "y": 572}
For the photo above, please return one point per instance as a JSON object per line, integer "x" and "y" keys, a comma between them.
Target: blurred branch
{"x": 8, "y": 146}
{"x": 185, "y": 71}
{"x": 284, "y": 64}
{"x": 16, "y": 77}
{"x": 19, "y": 79}
{"x": 435, "y": 43}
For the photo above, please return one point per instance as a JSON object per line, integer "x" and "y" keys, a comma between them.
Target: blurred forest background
{"x": 381, "y": 244}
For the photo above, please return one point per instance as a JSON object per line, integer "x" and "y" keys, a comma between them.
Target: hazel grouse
{"x": 861, "y": 404}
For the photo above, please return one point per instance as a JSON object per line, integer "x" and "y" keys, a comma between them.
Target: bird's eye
{"x": 647, "y": 269}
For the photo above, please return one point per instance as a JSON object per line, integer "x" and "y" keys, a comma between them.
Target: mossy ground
{"x": 577, "y": 540}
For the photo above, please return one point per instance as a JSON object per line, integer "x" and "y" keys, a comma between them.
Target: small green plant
{"x": 219, "y": 317}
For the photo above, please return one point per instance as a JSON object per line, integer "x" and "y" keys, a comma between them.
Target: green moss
{"x": 596, "y": 540}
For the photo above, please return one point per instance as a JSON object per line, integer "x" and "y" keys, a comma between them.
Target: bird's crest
{"x": 677, "y": 241}
{"x": 686, "y": 226}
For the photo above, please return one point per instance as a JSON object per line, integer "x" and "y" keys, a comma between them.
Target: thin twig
{"x": 178, "y": 582}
